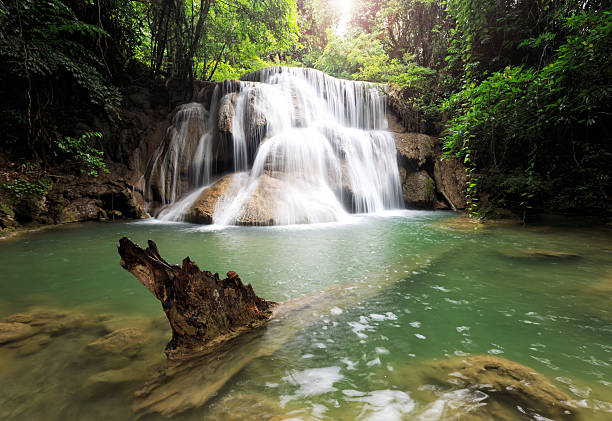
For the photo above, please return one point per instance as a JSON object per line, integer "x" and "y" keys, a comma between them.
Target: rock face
{"x": 451, "y": 181}
{"x": 427, "y": 181}
{"x": 418, "y": 189}
{"x": 417, "y": 149}
{"x": 202, "y": 309}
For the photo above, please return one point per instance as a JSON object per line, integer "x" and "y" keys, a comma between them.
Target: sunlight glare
{"x": 344, "y": 8}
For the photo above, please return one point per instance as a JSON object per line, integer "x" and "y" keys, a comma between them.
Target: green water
{"x": 419, "y": 291}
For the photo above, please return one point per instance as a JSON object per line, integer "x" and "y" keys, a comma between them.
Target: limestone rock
{"x": 418, "y": 189}
{"x": 226, "y": 113}
{"x": 56, "y": 322}
{"x": 505, "y": 384}
{"x": 394, "y": 124}
{"x": 32, "y": 344}
{"x": 260, "y": 208}
{"x": 14, "y": 331}
{"x": 87, "y": 198}
{"x": 451, "y": 182}
{"x": 416, "y": 148}
{"x": 126, "y": 342}
{"x": 202, "y": 210}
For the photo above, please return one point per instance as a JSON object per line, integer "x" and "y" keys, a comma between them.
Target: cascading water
{"x": 302, "y": 147}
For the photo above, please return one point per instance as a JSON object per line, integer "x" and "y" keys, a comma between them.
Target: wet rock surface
{"x": 419, "y": 150}
{"x": 126, "y": 342}
{"x": 489, "y": 387}
{"x": 202, "y": 309}
{"x": 202, "y": 210}
{"x": 428, "y": 182}
{"x": 14, "y": 331}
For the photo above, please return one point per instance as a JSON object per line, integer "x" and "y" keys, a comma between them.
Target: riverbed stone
{"x": 111, "y": 379}
{"x": 14, "y": 331}
{"x": 539, "y": 254}
{"x": 126, "y": 342}
{"x": 503, "y": 385}
{"x": 31, "y": 345}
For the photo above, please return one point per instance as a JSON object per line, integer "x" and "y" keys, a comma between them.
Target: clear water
{"x": 400, "y": 290}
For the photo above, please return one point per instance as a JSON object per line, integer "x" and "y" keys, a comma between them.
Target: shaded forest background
{"x": 519, "y": 90}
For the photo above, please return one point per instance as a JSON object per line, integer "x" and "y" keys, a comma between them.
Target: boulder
{"x": 261, "y": 207}
{"x": 202, "y": 210}
{"x": 83, "y": 209}
{"x": 418, "y": 189}
{"x": 416, "y": 149}
{"x": 503, "y": 385}
{"x": 14, "y": 331}
{"x": 88, "y": 198}
{"x": 451, "y": 180}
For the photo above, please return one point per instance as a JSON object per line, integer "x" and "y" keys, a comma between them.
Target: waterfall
{"x": 300, "y": 147}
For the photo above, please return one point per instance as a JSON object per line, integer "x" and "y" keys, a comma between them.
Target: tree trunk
{"x": 202, "y": 309}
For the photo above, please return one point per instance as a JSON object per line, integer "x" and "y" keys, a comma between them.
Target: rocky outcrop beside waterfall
{"x": 203, "y": 310}
{"x": 72, "y": 198}
{"x": 428, "y": 181}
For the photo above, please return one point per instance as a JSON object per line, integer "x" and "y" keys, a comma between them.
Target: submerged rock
{"x": 15, "y": 331}
{"x": 203, "y": 310}
{"x": 31, "y": 345}
{"x": 489, "y": 387}
{"x": 539, "y": 254}
{"x": 126, "y": 342}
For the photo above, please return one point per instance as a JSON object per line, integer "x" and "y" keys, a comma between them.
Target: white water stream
{"x": 306, "y": 148}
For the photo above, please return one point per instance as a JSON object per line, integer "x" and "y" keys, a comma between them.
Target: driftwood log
{"x": 203, "y": 310}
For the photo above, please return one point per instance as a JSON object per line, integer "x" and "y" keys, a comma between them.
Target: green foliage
{"x": 537, "y": 137}
{"x": 362, "y": 57}
{"x": 196, "y": 39}
{"x": 45, "y": 39}
{"x": 87, "y": 158}
{"x": 23, "y": 187}
{"x": 30, "y": 184}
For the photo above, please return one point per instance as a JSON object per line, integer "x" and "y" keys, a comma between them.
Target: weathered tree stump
{"x": 202, "y": 309}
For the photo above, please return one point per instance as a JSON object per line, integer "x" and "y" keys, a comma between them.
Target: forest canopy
{"x": 518, "y": 90}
